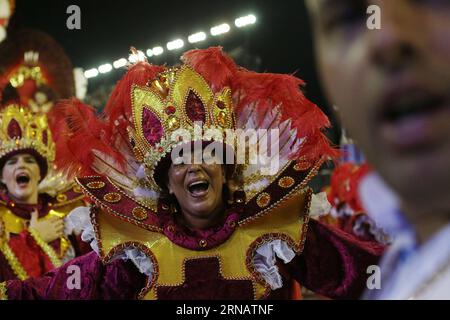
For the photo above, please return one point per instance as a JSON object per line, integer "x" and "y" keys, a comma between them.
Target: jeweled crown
{"x": 23, "y": 130}
{"x": 179, "y": 98}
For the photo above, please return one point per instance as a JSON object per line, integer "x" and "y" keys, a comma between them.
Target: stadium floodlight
{"x": 197, "y": 37}
{"x": 105, "y": 68}
{"x": 175, "y": 44}
{"x": 245, "y": 21}
{"x": 91, "y": 73}
{"x": 220, "y": 29}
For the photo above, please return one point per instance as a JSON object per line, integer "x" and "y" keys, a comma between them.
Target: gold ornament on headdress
{"x": 178, "y": 99}
{"x": 28, "y": 70}
{"x": 21, "y": 129}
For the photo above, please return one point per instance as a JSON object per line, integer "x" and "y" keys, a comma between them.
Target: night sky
{"x": 280, "y": 41}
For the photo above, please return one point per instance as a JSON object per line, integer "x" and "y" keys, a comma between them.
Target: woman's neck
{"x": 200, "y": 223}
{"x": 31, "y": 200}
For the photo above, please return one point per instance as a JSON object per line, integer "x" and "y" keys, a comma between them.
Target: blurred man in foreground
{"x": 392, "y": 88}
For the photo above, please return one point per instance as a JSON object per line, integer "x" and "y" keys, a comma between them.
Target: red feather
{"x": 78, "y": 131}
{"x": 216, "y": 67}
{"x": 82, "y": 131}
{"x": 118, "y": 110}
{"x": 270, "y": 90}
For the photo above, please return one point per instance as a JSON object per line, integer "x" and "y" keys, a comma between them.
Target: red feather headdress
{"x": 259, "y": 100}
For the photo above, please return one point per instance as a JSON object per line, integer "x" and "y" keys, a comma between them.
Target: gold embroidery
{"x": 139, "y": 213}
{"x": 96, "y": 185}
{"x": 3, "y": 295}
{"x": 77, "y": 189}
{"x": 61, "y": 197}
{"x": 48, "y": 250}
{"x": 301, "y": 166}
{"x": 13, "y": 262}
{"x": 285, "y": 219}
{"x": 112, "y": 197}
{"x": 298, "y": 188}
{"x": 263, "y": 200}
{"x": 286, "y": 182}
{"x": 258, "y": 177}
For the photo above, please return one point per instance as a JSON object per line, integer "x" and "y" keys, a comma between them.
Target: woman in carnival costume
{"x": 163, "y": 228}
{"x": 32, "y": 234}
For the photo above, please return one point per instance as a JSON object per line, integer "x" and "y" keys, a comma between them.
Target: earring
{"x": 239, "y": 197}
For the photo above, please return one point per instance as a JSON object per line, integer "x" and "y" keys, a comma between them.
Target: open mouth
{"x": 198, "y": 188}
{"x": 414, "y": 120}
{"x": 22, "y": 179}
{"x": 412, "y": 106}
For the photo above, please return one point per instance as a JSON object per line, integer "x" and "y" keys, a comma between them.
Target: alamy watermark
{"x": 374, "y": 19}
{"x": 230, "y": 146}
{"x": 74, "y": 279}
{"x": 374, "y": 280}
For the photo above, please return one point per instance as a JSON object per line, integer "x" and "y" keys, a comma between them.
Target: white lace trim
{"x": 79, "y": 221}
{"x": 265, "y": 259}
{"x": 319, "y": 205}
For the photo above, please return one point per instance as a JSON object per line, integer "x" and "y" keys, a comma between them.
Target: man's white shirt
{"x": 408, "y": 271}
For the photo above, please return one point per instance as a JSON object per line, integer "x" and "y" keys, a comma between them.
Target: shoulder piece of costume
{"x": 70, "y": 195}
{"x": 228, "y": 256}
{"x": 128, "y": 152}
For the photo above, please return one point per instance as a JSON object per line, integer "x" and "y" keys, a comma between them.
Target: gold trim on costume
{"x": 3, "y": 295}
{"x": 13, "y": 262}
{"x": 286, "y": 221}
{"x": 49, "y": 251}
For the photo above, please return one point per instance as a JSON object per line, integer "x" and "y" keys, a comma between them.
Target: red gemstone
{"x": 170, "y": 110}
{"x": 45, "y": 137}
{"x": 195, "y": 109}
{"x": 160, "y": 149}
{"x": 153, "y": 130}
{"x": 14, "y": 130}
{"x": 220, "y": 104}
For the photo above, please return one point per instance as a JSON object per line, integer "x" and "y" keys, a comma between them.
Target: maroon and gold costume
{"x": 25, "y": 254}
{"x": 266, "y": 239}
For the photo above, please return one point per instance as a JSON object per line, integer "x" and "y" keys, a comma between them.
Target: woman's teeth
{"x": 198, "y": 188}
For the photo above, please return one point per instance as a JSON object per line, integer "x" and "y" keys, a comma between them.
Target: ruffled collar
{"x": 198, "y": 239}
